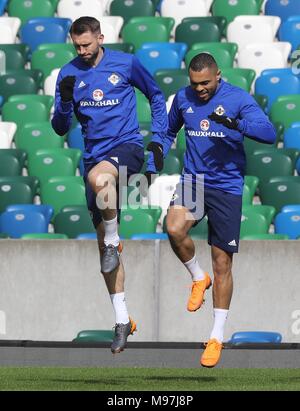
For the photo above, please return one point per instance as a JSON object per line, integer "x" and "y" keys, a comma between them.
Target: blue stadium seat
{"x": 34, "y": 34}
{"x": 288, "y": 223}
{"x": 3, "y": 4}
{"x": 290, "y": 31}
{"x": 64, "y": 22}
{"x": 45, "y": 209}
{"x": 291, "y": 137}
{"x": 150, "y": 236}
{"x": 255, "y": 337}
{"x": 291, "y": 207}
{"x": 75, "y": 140}
{"x": 87, "y": 236}
{"x": 155, "y": 59}
{"x": 283, "y": 9}
{"x": 17, "y": 223}
{"x": 179, "y": 48}
{"x": 274, "y": 85}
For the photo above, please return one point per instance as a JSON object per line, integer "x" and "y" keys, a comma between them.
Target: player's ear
{"x": 218, "y": 76}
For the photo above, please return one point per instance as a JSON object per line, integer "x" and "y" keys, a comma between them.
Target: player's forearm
{"x": 62, "y": 118}
{"x": 260, "y": 130}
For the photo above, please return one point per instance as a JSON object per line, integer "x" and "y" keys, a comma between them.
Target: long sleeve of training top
{"x": 213, "y": 150}
{"x": 104, "y": 103}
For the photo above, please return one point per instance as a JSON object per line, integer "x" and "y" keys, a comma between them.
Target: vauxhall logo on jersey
{"x": 99, "y": 100}
{"x": 205, "y": 125}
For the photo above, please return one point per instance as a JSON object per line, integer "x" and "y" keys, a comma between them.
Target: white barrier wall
{"x": 50, "y": 290}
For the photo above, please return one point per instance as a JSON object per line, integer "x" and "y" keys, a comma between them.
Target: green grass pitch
{"x": 147, "y": 379}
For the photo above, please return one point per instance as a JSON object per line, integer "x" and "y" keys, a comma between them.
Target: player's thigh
{"x": 179, "y": 220}
{"x": 102, "y": 174}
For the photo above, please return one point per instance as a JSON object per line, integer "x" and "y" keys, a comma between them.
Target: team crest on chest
{"x": 220, "y": 110}
{"x": 114, "y": 79}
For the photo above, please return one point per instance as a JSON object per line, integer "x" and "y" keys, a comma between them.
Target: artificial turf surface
{"x": 147, "y": 379}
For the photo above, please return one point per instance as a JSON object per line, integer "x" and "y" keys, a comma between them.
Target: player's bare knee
{"x": 222, "y": 265}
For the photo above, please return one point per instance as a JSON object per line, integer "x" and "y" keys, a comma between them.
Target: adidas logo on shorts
{"x": 232, "y": 243}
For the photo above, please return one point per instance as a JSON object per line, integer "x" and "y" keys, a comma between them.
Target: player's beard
{"x": 91, "y": 59}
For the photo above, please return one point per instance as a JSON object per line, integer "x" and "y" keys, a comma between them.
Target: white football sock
{"x": 219, "y": 324}
{"x": 119, "y": 304}
{"x": 194, "y": 269}
{"x": 111, "y": 232}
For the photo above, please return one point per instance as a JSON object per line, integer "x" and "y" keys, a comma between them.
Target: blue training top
{"x": 212, "y": 149}
{"x": 104, "y": 103}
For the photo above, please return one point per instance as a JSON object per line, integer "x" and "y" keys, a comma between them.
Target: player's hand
{"x": 228, "y": 122}
{"x": 66, "y": 88}
{"x": 146, "y": 183}
{"x": 158, "y": 154}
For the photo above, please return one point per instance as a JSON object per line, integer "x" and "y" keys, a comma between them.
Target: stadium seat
{"x": 291, "y": 138}
{"x": 73, "y": 223}
{"x": 240, "y": 77}
{"x": 252, "y": 183}
{"x": 111, "y": 27}
{"x": 75, "y": 140}
{"x": 273, "y": 86}
{"x": 18, "y": 83}
{"x": 156, "y": 58}
{"x": 34, "y": 34}
{"x": 291, "y": 207}
{"x": 261, "y": 100}
{"x": 63, "y": 191}
{"x": 50, "y": 83}
{"x": 286, "y": 110}
{"x": 17, "y": 223}
{"x": 47, "y": 163}
{"x": 9, "y": 163}
{"x": 179, "y": 48}
{"x": 185, "y": 8}
{"x": 13, "y": 191}
{"x": 55, "y": 56}
{"x": 224, "y": 53}
{"x": 283, "y": 9}
{"x": 7, "y": 133}
{"x": 3, "y": 4}
{"x": 290, "y": 31}
{"x": 150, "y": 236}
{"x": 250, "y": 146}
{"x": 125, "y": 47}
{"x": 35, "y": 136}
{"x": 15, "y": 55}
{"x": 139, "y": 33}
{"x": 168, "y": 22}
{"x": 9, "y": 29}
{"x": 25, "y": 10}
{"x": 44, "y": 236}
{"x": 87, "y": 236}
{"x": 44, "y": 209}
{"x": 242, "y": 337}
{"x": 245, "y": 30}
{"x": 280, "y": 192}
{"x": 267, "y": 211}
{"x": 170, "y": 81}
{"x": 191, "y": 33}
{"x": 172, "y": 164}
{"x": 268, "y": 236}
{"x": 269, "y": 163}
{"x": 65, "y": 23}
{"x": 135, "y": 221}
{"x": 21, "y": 113}
{"x": 143, "y": 107}
{"x": 253, "y": 223}
{"x": 24, "y": 98}
{"x": 94, "y": 336}
{"x": 261, "y": 56}
{"x": 73, "y": 9}
{"x": 129, "y": 9}
{"x": 200, "y": 231}
{"x": 288, "y": 223}
{"x": 220, "y": 21}
{"x": 230, "y": 9}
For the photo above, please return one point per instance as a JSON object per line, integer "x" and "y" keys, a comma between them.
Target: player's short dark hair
{"x": 202, "y": 61}
{"x": 85, "y": 24}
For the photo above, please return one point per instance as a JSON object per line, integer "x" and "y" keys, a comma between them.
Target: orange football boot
{"x": 211, "y": 354}
{"x": 197, "y": 294}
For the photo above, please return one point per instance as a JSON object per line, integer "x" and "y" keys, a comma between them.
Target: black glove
{"x": 143, "y": 187}
{"x": 158, "y": 154}
{"x": 226, "y": 121}
{"x": 66, "y": 87}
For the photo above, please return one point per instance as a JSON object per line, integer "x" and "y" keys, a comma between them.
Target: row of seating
{"x": 20, "y": 220}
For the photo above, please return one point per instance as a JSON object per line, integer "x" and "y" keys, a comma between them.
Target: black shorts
{"x": 222, "y": 209}
{"x": 125, "y": 155}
